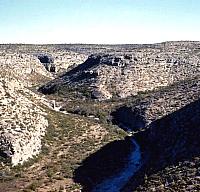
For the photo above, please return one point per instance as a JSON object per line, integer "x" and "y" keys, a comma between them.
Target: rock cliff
{"x": 171, "y": 146}
{"x": 152, "y": 89}
{"x": 140, "y": 113}
{"x": 127, "y": 74}
{"x": 23, "y": 123}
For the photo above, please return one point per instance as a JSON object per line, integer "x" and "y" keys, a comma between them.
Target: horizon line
{"x": 100, "y": 43}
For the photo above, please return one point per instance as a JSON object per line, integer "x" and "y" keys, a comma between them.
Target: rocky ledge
{"x": 171, "y": 147}
{"x": 121, "y": 75}
{"x": 22, "y": 124}
{"x": 22, "y": 121}
{"x": 139, "y": 114}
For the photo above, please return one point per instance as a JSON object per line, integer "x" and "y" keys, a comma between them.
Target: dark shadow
{"x": 90, "y": 62}
{"x": 83, "y": 76}
{"x": 169, "y": 141}
{"x": 3, "y": 154}
{"x": 77, "y": 74}
{"x": 102, "y": 164}
{"x": 45, "y": 58}
{"x": 128, "y": 117}
{"x": 48, "y": 89}
{"x": 178, "y": 130}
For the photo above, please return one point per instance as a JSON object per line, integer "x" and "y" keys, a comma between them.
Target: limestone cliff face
{"x": 126, "y": 74}
{"x": 60, "y": 61}
{"x": 140, "y": 114}
{"x": 25, "y": 68}
{"x": 22, "y": 124}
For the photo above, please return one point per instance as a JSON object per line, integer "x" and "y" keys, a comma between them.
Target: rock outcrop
{"x": 23, "y": 123}
{"x": 123, "y": 75}
{"x": 24, "y": 68}
{"x": 171, "y": 146}
{"x": 141, "y": 113}
{"x": 48, "y": 62}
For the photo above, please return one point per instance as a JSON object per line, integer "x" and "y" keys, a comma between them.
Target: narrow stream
{"x": 116, "y": 182}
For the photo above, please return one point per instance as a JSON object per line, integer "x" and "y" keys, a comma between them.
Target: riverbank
{"x": 116, "y": 182}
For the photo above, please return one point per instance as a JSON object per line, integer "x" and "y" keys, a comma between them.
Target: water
{"x": 116, "y": 182}
{"x": 119, "y": 180}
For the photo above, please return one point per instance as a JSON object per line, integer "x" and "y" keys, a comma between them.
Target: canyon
{"x": 100, "y": 117}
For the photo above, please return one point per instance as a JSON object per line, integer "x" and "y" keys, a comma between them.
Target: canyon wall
{"x": 119, "y": 75}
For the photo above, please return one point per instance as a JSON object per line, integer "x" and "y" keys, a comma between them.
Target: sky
{"x": 99, "y": 21}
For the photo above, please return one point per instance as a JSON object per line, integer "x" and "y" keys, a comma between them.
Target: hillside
{"x": 140, "y": 113}
{"x": 171, "y": 146}
{"x": 100, "y": 117}
{"x": 40, "y": 147}
{"x": 123, "y": 74}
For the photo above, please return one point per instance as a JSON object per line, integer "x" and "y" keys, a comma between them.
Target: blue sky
{"x": 98, "y": 21}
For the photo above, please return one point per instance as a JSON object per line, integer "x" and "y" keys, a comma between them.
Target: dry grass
{"x": 69, "y": 140}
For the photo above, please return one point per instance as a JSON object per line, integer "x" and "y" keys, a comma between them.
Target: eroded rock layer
{"x": 125, "y": 74}
{"x": 22, "y": 124}
{"x": 141, "y": 113}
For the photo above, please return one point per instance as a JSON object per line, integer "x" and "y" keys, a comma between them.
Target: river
{"x": 116, "y": 182}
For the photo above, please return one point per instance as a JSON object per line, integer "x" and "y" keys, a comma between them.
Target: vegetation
{"x": 65, "y": 146}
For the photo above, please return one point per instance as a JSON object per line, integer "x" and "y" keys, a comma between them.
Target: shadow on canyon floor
{"x": 170, "y": 140}
{"x": 102, "y": 164}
